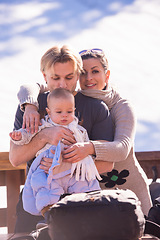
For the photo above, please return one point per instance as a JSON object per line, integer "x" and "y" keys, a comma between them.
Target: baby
{"x": 42, "y": 190}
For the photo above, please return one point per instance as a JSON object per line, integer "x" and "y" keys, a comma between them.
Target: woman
{"x": 127, "y": 173}
{"x": 94, "y": 82}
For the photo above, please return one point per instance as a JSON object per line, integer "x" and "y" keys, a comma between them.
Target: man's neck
{"x": 74, "y": 93}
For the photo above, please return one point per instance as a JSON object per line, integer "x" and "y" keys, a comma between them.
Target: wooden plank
{"x": 11, "y": 177}
{"x": 22, "y": 176}
{"x": 2, "y": 178}
{"x": 5, "y": 163}
{"x": 148, "y": 156}
{"x": 147, "y": 160}
{"x": 4, "y": 155}
{"x": 13, "y": 182}
{"x": 3, "y": 218}
{"x": 147, "y": 167}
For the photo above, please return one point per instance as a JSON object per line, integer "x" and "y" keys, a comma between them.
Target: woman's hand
{"x": 77, "y": 151}
{"x": 31, "y": 118}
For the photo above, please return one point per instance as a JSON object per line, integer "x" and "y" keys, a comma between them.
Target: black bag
{"x": 152, "y": 226}
{"x": 154, "y": 187}
{"x": 98, "y": 215}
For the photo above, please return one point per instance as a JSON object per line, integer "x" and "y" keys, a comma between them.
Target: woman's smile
{"x": 90, "y": 85}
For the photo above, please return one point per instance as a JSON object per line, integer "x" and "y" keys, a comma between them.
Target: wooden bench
{"x": 149, "y": 159}
{"x": 12, "y": 178}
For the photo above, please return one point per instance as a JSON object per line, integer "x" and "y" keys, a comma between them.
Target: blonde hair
{"x": 61, "y": 54}
{"x": 59, "y": 93}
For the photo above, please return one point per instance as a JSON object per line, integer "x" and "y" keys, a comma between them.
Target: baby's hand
{"x": 16, "y": 135}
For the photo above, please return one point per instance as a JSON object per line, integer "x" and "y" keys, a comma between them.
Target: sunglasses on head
{"x": 93, "y": 50}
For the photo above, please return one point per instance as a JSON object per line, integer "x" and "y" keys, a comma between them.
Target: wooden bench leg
{"x": 13, "y": 182}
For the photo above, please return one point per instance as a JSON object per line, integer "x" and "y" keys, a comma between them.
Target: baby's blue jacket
{"x": 32, "y": 186}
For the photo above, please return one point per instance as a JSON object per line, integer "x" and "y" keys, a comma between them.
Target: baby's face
{"x": 61, "y": 110}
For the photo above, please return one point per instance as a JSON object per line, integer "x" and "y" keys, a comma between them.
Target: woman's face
{"x": 94, "y": 76}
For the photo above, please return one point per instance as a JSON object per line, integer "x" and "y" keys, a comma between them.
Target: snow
{"x": 127, "y": 30}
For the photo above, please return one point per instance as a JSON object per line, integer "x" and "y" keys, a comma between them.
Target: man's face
{"x": 61, "y": 75}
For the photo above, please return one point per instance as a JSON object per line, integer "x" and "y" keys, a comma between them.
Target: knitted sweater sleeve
{"x": 29, "y": 94}
{"x": 124, "y": 120}
{"x": 27, "y": 136}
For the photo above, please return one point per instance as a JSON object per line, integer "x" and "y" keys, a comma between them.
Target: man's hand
{"x": 55, "y": 134}
{"x": 46, "y": 164}
{"x": 31, "y": 118}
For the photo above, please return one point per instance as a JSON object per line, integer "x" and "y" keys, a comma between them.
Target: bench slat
{"x": 148, "y": 156}
{"x": 147, "y": 160}
{"x": 3, "y": 217}
{"x": 5, "y": 163}
{"x": 12, "y": 178}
